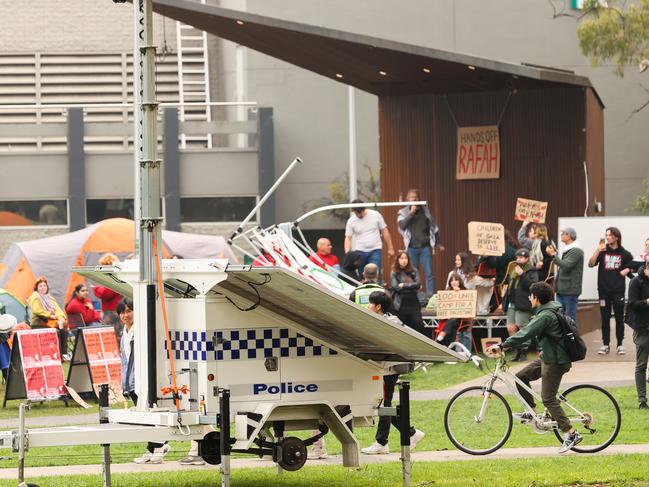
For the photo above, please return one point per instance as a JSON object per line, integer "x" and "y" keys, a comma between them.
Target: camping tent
{"x": 11, "y": 305}
{"x": 54, "y": 257}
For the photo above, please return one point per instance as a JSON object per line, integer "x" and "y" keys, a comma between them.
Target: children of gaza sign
{"x": 478, "y": 153}
{"x": 486, "y": 238}
{"x": 530, "y": 210}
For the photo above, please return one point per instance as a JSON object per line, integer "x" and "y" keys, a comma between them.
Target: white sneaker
{"x": 192, "y": 460}
{"x": 317, "y": 453}
{"x": 603, "y": 350}
{"x": 416, "y": 438}
{"x": 156, "y": 457}
{"x": 620, "y": 350}
{"x": 376, "y": 449}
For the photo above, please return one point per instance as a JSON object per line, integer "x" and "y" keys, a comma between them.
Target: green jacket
{"x": 546, "y": 328}
{"x": 570, "y": 271}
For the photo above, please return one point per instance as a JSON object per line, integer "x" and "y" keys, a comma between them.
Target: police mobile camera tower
{"x": 233, "y": 356}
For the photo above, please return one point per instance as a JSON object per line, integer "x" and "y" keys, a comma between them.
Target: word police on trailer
{"x": 283, "y": 388}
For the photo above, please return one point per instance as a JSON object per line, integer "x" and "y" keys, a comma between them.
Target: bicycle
{"x": 478, "y": 420}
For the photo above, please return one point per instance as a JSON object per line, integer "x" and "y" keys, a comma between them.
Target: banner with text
{"x": 41, "y": 362}
{"x": 478, "y": 153}
{"x": 104, "y": 359}
{"x": 457, "y": 304}
{"x": 486, "y": 238}
{"x": 530, "y": 210}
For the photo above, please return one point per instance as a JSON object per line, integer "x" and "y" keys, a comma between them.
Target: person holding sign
{"x": 536, "y": 240}
{"x": 420, "y": 237}
{"x": 46, "y": 313}
{"x": 517, "y": 285}
{"x": 456, "y": 328}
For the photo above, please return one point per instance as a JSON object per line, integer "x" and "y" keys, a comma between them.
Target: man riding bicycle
{"x": 550, "y": 367}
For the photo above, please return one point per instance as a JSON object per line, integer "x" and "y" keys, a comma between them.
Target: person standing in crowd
{"x": 155, "y": 451}
{"x": 638, "y": 319}
{"x": 46, "y": 313}
{"x": 404, "y": 284}
{"x": 614, "y": 263}
{"x": 80, "y": 304}
{"x": 363, "y": 234}
{"x": 502, "y": 261}
{"x": 420, "y": 237}
{"x": 109, "y": 298}
{"x": 350, "y": 267}
{"x": 553, "y": 363}
{"x": 535, "y": 239}
{"x": 571, "y": 270}
{"x": 380, "y": 303}
{"x": 323, "y": 256}
{"x": 519, "y": 310}
{"x": 361, "y": 295}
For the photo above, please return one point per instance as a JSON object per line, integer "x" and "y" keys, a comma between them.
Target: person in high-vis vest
{"x": 361, "y": 295}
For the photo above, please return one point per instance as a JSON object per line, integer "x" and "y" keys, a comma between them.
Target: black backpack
{"x": 573, "y": 344}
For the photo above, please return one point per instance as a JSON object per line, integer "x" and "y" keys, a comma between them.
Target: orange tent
{"x": 54, "y": 257}
{"x": 10, "y": 219}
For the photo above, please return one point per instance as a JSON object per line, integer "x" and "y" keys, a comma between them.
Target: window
{"x": 26, "y": 213}
{"x": 216, "y": 209}
{"x": 100, "y": 209}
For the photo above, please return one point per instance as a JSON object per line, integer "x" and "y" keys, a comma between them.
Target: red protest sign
{"x": 41, "y": 364}
{"x": 478, "y": 153}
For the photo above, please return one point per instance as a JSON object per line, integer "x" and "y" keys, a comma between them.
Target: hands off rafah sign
{"x": 486, "y": 238}
{"x": 530, "y": 210}
{"x": 457, "y": 304}
{"x": 478, "y": 153}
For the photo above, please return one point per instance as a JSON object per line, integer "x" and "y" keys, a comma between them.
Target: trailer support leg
{"x": 21, "y": 444}
{"x": 105, "y": 448}
{"x": 224, "y": 434}
{"x": 403, "y": 413}
{"x": 278, "y": 428}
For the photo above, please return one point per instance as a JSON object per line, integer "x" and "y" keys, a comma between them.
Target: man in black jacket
{"x": 614, "y": 263}
{"x": 638, "y": 319}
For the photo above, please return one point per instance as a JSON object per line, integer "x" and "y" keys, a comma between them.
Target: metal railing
{"x": 109, "y": 126}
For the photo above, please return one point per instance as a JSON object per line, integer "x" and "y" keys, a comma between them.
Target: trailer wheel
{"x": 292, "y": 454}
{"x": 209, "y": 448}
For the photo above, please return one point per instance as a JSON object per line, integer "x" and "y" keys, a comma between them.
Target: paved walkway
{"x": 238, "y": 463}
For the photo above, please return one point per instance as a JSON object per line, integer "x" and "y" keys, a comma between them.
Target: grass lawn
{"x": 571, "y": 470}
{"x": 427, "y": 416}
{"x": 441, "y": 375}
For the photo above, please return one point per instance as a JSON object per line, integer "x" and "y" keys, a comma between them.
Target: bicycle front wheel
{"x": 594, "y": 412}
{"x": 478, "y": 422}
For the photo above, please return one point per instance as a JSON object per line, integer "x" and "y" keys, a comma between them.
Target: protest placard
{"x": 478, "y": 153}
{"x": 486, "y": 238}
{"x": 530, "y": 210}
{"x": 457, "y": 304}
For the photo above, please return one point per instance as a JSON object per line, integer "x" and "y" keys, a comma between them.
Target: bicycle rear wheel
{"x": 473, "y": 436}
{"x": 594, "y": 412}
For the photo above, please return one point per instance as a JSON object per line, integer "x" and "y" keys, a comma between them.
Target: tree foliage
{"x": 368, "y": 190}
{"x": 616, "y": 31}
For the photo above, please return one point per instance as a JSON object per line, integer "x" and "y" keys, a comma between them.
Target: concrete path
{"x": 47, "y": 421}
{"x": 238, "y": 463}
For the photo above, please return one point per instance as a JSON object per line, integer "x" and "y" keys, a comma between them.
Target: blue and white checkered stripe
{"x": 245, "y": 344}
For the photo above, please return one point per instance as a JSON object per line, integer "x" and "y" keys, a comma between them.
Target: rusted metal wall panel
{"x": 543, "y": 146}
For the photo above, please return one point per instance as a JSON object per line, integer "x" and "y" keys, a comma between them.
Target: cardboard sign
{"x": 478, "y": 153}
{"x": 486, "y": 238}
{"x": 96, "y": 361}
{"x": 35, "y": 372}
{"x": 530, "y": 210}
{"x": 457, "y": 304}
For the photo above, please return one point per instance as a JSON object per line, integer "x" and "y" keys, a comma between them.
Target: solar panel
{"x": 335, "y": 320}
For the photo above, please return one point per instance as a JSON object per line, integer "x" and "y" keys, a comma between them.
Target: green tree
{"x": 368, "y": 190}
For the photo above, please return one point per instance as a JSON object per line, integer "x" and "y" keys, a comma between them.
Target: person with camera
{"x": 553, "y": 363}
